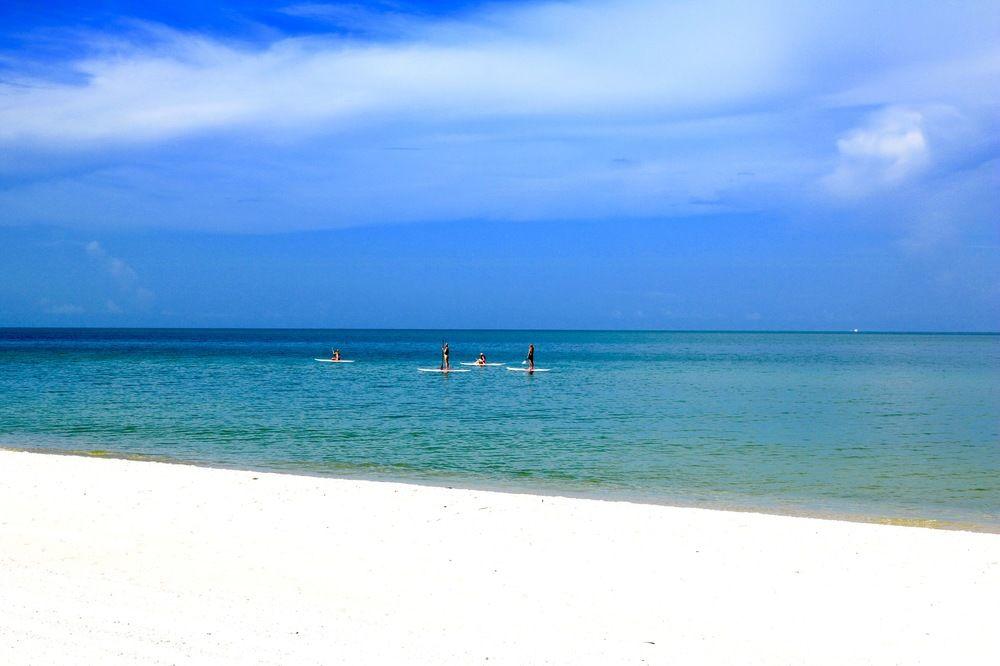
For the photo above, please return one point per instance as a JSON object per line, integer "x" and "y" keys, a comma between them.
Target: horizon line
{"x": 540, "y": 330}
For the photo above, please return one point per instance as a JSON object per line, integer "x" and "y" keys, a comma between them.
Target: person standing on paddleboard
{"x": 531, "y": 358}
{"x": 445, "y": 357}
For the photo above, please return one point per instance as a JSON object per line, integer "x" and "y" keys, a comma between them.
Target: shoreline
{"x": 117, "y": 561}
{"x": 850, "y": 517}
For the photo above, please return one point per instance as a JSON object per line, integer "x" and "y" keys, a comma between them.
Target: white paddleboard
{"x": 528, "y": 370}
{"x": 483, "y": 365}
{"x": 441, "y": 370}
{"x": 330, "y": 360}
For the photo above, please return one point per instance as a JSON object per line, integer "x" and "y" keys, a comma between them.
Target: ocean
{"x": 897, "y": 427}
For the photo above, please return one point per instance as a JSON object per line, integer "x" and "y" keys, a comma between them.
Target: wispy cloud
{"x": 618, "y": 59}
{"x": 52, "y": 308}
{"x": 117, "y": 268}
{"x": 381, "y": 19}
{"x": 123, "y": 275}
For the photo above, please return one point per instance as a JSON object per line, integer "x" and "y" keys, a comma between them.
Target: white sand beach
{"x": 113, "y": 561}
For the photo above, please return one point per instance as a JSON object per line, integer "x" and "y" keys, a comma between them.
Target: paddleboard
{"x": 330, "y": 360}
{"x": 441, "y": 370}
{"x": 483, "y": 365}
{"x": 528, "y": 370}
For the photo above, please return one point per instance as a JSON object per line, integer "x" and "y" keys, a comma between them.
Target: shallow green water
{"x": 904, "y": 426}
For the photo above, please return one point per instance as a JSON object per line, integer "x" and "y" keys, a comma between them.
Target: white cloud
{"x": 628, "y": 59}
{"x": 890, "y": 148}
{"x": 635, "y": 108}
{"x": 124, "y": 276}
{"x": 590, "y": 58}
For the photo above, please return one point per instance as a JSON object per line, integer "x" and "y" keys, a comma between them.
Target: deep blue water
{"x": 901, "y": 426}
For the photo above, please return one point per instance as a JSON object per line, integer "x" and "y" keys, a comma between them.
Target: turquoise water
{"x": 898, "y": 426}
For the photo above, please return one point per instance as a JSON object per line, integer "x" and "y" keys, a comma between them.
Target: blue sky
{"x": 594, "y": 164}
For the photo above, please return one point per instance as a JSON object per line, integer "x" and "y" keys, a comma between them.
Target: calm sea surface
{"x": 897, "y": 426}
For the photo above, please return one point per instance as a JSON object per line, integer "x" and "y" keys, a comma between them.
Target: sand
{"x": 114, "y": 561}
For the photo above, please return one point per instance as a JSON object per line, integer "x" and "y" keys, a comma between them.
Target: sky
{"x": 588, "y": 164}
